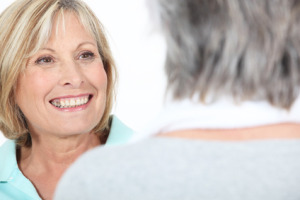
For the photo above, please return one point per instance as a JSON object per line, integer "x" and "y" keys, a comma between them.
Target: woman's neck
{"x": 48, "y": 158}
{"x": 278, "y": 131}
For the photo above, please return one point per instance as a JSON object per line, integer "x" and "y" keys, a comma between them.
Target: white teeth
{"x": 70, "y": 102}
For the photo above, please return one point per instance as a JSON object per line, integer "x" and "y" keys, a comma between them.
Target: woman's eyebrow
{"x": 48, "y": 49}
{"x": 81, "y": 44}
{"x": 84, "y": 43}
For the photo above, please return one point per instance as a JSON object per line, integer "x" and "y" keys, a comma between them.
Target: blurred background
{"x": 139, "y": 51}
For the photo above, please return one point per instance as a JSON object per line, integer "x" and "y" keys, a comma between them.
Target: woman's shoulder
{"x": 119, "y": 133}
{"x": 14, "y": 185}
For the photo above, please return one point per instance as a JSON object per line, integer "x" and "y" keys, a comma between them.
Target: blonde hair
{"x": 25, "y": 28}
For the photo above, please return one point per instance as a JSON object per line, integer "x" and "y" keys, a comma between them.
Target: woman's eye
{"x": 44, "y": 60}
{"x": 87, "y": 55}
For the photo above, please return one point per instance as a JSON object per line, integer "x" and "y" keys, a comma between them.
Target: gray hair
{"x": 247, "y": 49}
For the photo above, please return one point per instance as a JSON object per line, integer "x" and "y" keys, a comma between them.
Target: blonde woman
{"x": 57, "y": 79}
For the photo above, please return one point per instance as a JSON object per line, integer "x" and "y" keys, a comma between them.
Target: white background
{"x": 138, "y": 51}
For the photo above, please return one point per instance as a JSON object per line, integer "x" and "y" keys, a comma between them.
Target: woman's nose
{"x": 71, "y": 75}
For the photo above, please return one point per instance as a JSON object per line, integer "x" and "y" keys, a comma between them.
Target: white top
{"x": 223, "y": 114}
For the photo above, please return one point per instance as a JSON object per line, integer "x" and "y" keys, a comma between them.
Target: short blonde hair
{"x": 25, "y": 28}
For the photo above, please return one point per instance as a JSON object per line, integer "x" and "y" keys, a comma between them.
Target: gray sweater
{"x": 180, "y": 169}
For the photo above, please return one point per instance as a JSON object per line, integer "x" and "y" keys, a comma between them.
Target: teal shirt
{"x": 14, "y": 185}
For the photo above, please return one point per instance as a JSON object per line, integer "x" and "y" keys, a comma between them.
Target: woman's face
{"x": 63, "y": 88}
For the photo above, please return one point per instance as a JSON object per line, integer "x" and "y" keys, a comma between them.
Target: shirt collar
{"x": 8, "y": 160}
{"x": 119, "y": 132}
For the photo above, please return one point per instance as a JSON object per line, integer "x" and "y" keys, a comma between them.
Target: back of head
{"x": 245, "y": 49}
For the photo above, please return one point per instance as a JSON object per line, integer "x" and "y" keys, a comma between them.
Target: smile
{"x": 71, "y": 102}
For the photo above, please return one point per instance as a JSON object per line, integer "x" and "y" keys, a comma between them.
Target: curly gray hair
{"x": 247, "y": 49}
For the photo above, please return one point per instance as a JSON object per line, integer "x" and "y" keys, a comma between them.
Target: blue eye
{"x": 87, "y": 55}
{"x": 44, "y": 60}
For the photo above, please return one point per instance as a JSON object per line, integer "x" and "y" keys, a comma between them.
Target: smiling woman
{"x": 57, "y": 79}
{"x": 69, "y": 71}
